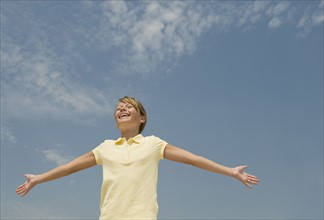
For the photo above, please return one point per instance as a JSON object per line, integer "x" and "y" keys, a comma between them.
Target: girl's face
{"x": 127, "y": 116}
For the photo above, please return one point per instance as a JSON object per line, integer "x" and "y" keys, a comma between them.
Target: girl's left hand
{"x": 245, "y": 178}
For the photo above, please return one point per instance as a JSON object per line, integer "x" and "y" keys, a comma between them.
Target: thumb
{"x": 27, "y": 175}
{"x": 244, "y": 167}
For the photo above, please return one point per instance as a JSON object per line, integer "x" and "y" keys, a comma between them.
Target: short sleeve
{"x": 160, "y": 144}
{"x": 97, "y": 153}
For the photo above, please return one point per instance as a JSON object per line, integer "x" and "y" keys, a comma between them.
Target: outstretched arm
{"x": 180, "y": 155}
{"x": 85, "y": 161}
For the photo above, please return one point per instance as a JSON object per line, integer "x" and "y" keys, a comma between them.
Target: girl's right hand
{"x": 23, "y": 189}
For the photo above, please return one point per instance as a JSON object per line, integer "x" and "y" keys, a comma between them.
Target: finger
{"x": 21, "y": 193}
{"x": 253, "y": 182}
{"x": 248, "y": 185}
{"x": 22, "y": 184}
{"x": 24, "y": 193}
{"x": 19, "y": 186}
{"x": 22, "y": 188}
{"x": 249, "y": 175}
{"x": 253, "y": 179}
{"x": 19, "y": 190}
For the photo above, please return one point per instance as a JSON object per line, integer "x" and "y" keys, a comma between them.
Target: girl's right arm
{"x": 83, "y": 162}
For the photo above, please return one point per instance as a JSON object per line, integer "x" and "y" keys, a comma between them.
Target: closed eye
{"x": 127, "y": 106}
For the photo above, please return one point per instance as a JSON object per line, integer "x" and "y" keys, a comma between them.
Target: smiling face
{"x": 130, "y": 114}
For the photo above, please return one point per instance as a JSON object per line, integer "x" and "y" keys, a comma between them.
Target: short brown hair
{"x": 138, "y": 106}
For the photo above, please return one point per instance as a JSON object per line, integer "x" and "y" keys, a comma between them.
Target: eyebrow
{"x": 126, "y": 104}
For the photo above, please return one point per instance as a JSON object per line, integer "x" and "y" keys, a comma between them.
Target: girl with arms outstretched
{"x": 130, "y": 167}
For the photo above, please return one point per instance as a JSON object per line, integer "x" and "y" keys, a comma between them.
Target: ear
{"x": 143, "y": 119}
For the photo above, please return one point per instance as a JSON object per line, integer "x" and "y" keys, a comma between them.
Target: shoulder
{"x": 152, "y": 138}
{"x": 106, "y": 143}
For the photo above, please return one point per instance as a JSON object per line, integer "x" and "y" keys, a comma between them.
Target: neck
{"x": 128, "y": 133}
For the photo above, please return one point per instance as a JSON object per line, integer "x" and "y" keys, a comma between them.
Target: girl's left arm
{"x": 176, "y": 154}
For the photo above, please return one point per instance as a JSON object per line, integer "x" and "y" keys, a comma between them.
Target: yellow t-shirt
{"x": 130, "y": 173}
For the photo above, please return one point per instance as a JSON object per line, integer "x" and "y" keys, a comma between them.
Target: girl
{"x": 130, "y": 167}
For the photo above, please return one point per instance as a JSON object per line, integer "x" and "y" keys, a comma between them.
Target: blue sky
{"x": 239, "y": 82}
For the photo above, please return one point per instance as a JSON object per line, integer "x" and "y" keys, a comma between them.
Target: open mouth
{"x": 123, "y": 115}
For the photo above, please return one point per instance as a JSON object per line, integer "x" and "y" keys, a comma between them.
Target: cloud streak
{"x": 45, "y": 57}
{"x": 310, "y": 18}
{"x": 7, "y": 135}
{"x": 12, "y": 209}
{"x": 41, "y": 73}
{"x": 156, "y": 34}
{"x": 54, "y": 155}
{"x": 38, "y": 82}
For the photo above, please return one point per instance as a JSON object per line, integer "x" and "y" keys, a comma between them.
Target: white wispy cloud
{"x": 13, "y": 209}
{"x": 150, "y": 34}
{"x": 40, "y": 75}
{"x": 153, "y": 35}
{"x": 55, "y": 156}
{"x": 275, "y": 22}
{"x": 250, "y": 14}
{"x": 41, "y": 82}
{"x": 7, "y": 135}
{"x": 310, "y": 18}
{"x": 47, "y": 68}
{"x": 278, "y": 14}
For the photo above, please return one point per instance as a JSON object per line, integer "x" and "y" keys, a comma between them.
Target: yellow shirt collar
{"x": 137, "y": 139}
